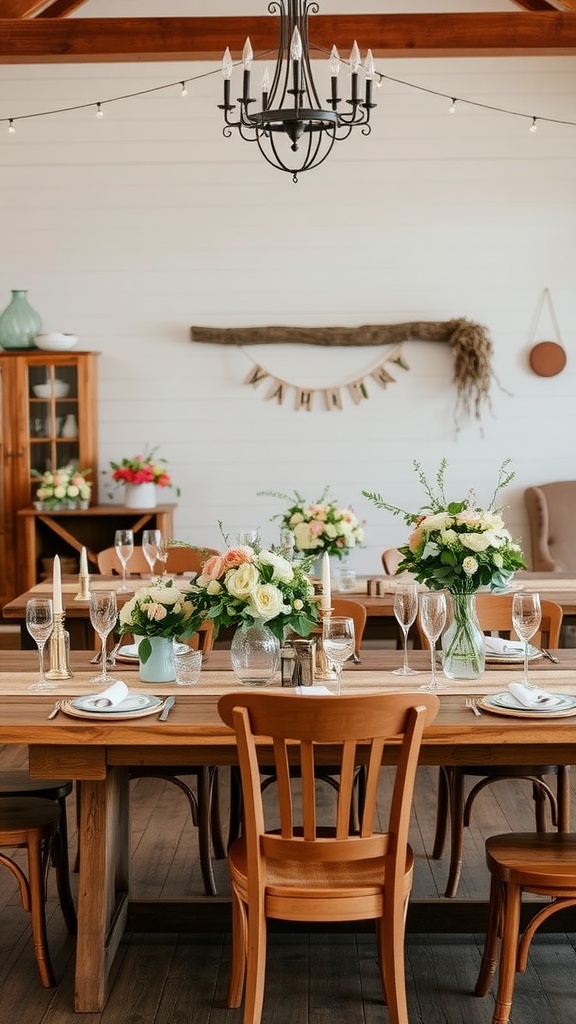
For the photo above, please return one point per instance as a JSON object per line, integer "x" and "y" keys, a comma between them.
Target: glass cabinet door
{"x": 54, "y": 414}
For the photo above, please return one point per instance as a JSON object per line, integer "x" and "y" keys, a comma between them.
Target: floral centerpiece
{"x": 142, "y": 469}
{"x": 460, "y": 547}
{"x": 159, "y": 614}
{"x": 66, "y": 487}
{"x": 319, "y": 526}
{"x": 248, "y": 584}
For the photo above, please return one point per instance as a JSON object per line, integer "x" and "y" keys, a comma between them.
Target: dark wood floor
{"x": 311, "y": 978}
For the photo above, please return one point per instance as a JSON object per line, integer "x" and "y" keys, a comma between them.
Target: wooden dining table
{"x": 98, "y": 753}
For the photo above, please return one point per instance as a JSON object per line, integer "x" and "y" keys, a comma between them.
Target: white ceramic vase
{"x": 140, "y": 496}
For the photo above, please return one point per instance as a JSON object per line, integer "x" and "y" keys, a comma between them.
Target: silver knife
{"x": 168, "y": 704}
{"x": 552, "y": 657}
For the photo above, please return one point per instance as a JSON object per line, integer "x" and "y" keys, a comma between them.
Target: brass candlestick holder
{"x": 323, "y": 669}
{"x": 59, "y": 650}
{"x": 83, "y": 588}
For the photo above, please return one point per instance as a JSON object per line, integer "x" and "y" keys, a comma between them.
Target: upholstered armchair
{"x": 551, "y": 513}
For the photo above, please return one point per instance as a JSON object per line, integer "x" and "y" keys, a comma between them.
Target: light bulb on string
{"x": 11, "y": 127}
{"x": 184, "y": 89}
{"x": 99, "y": 111}
{"x": 533, "y": 127}
{"x": 452, "y": 107}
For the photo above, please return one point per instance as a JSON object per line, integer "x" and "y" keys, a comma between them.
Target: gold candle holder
{"x": 83, "y": 588}
{"x": 322, "y": 668}
{"x": 59, "y": 650}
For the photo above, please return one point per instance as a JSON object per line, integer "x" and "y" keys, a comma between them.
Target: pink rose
{"x": 235, "y": 557}
{"x": 213, "y": 568}
{"x": 316, "y": 528}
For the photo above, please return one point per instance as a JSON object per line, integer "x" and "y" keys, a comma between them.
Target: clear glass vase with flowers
{"x": 264, "y": 596}
{"x": 460, "y": 547}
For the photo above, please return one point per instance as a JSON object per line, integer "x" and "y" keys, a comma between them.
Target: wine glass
{"x": 162, "y": 551}
{"x": 338, "y": 641}
{"x": 151, "y": 541}
{"x": 247, "y": 537}
{"x": 103, "y": 615}
{"x": 526, "y": 617}
{"x": 39, "y": 623}
{"x": 405, "y": 610}
{"x": 432, "y": 620}
{"x": 124, "y": 544}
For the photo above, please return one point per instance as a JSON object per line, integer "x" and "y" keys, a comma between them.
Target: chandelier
{"x": 292, "y": 130}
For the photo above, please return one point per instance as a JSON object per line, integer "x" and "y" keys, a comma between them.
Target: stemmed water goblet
{"x": 405, "y": 611}
{"x": 247, "y": 537}
{"x": 151, "y": 541}
{"x": 432, "y": 620}
{"x": 526, "y": 618}
{"x": 124, "y": 544}
{"x": 103, "y": 615}
{"x": 338, "y": 642}
{"x": 40, "y": 623}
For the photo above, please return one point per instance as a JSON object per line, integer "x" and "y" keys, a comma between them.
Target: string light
{"x": 533, "y": 126}
{"x": 380, "y": 78}
{"x": 11, "y": 127}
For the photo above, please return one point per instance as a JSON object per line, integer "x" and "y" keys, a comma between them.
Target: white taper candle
{"x": 57, "y": 587}
{"x": 326, "y": 602}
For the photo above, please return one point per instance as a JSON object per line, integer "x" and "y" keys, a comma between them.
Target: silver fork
{"x": 471, "y": 703}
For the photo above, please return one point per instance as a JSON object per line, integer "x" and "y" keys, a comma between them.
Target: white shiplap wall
{"x": 128, "y": 230}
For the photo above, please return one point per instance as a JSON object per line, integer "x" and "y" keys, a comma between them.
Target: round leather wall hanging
{"x": 547, "y": 358}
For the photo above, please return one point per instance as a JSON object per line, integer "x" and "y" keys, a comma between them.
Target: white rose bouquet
{"x": 320, "y": 526}
{"x": 162, "y": 609}
{"x": 246, "y": 583}
{"x": 456, "y": 545}
{"x": 63, "y": 487}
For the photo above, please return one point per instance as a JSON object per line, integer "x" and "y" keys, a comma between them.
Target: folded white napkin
{"x": 497, "y": 645}
{"x": 532, "y": 696}
{"x": 110, "y": 697}
{"x": 314, "y": 691}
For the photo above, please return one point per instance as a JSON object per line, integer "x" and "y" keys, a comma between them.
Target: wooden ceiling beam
{"x": 534, "y": 5}
{"x": 86, "y": 40}
{"x": 21, "y": 8}
{"x": 58, "y": 8}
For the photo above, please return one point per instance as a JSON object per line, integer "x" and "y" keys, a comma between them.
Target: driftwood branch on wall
{"x": 470, "y": 343}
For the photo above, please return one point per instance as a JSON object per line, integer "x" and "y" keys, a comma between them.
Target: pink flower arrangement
{"x": 142, "y": 469}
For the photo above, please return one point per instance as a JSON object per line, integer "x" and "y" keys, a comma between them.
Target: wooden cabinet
{"x": 48, "y": 418}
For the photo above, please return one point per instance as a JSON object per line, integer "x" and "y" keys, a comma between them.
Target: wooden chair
{"x": 109, "y": 564}
{"x": 16, "y": 783}
{"x": 495, "y": 616}
{"x": 532, "y": 862}
{"x": 391, "y": 559}
{"x": 305, "y": 871}
{"x": 34, "y": 824}
{"x": 182, "y": 558}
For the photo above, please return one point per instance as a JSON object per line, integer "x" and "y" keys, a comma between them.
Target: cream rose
{"x": 241, "y": 582}
{"x": 213, "y": 588}
{"x": 303, "y": 538}
{"x": 474, "y": 541}
{"x": 154, "y": 611}
{"x": 266, "y": 602}
{"x": 470, "y": 565}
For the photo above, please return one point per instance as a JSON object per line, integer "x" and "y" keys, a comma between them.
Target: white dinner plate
{"x": 133, "y": 702}
{"x": 130, "y": 651}
{"x": 505, "y": 704}
{"x": 515, "y": 658}
{"x": 110, "y": 714}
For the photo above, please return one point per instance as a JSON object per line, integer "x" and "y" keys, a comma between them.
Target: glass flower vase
{"x": 255, "y": 654}
{"x": 463, "y": 649}
{"x": 19, "y": 323}
{"x": 161, "y": 665}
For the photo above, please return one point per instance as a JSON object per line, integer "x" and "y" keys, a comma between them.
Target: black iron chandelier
{"x": 293, "y": 132}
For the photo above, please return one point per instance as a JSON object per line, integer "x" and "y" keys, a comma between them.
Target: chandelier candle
{"x": 57, "y": 586}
